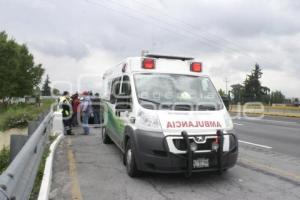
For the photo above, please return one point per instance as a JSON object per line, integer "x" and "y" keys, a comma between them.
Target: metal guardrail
{"x": 17, "y": 181}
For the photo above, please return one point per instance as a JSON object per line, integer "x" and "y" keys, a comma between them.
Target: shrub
{"x": 18, "y": 116}
{"x": 4, "y": 159}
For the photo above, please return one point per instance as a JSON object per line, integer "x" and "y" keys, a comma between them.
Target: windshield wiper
{"x": 206, "y": 107}
{"x": 149, "y": 100}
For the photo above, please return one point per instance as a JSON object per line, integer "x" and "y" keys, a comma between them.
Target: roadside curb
{"x": 269, "y": 114}
{"x": 47, "y": 177}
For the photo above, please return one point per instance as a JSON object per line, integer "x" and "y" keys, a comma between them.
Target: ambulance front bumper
{"x": 153, "y": 154}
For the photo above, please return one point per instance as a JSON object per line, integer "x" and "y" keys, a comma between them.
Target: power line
{"x": 191, "y": 33}
{"x": 188, "y": 24}
{"x": 208, "y": 40}
{"x": 167, "y": 26}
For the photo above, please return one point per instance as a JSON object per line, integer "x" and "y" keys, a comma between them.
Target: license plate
{"x": 201, "y": 163}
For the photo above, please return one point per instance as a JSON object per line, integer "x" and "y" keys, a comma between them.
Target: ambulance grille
{"x": 181, "y": 145}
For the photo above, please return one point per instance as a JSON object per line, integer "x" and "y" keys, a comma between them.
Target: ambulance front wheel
{"x": 131, "y": 167}
{"x": 105, "y": 138}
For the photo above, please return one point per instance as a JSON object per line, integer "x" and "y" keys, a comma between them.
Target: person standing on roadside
{"x": 86, "y": 110}
{"x": 75, "y": 106}
{"x": 96, "y": 109}
{"x": 66, "y": 109}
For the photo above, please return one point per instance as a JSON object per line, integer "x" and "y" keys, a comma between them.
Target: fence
{"x": 17, "y": 181}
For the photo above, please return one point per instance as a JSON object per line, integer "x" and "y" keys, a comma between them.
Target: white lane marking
{"x": 267, "y": 120}
{"x": 237, "y": 124}
{"x": 270, "y": 120}
{"x": 258, "y": 145}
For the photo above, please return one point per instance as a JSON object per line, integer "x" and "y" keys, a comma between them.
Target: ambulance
{"x": 166, "y": 116}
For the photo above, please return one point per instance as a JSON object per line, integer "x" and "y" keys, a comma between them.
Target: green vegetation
{"x": 252, "y": 91}
{"x": 39, "y": 177}
{"x": 18, "y": 116}
{"x": 4, "y": 157}
{"x": 221, "y": 92}
{"x": 19, "y": 74}
{"x": 46, "y": 87}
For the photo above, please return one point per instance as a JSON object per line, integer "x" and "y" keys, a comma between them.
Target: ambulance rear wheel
{"x": 105, "y": 138}
{"x": 131, "y": 167}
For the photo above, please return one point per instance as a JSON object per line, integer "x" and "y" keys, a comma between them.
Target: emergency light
{"x": 148, "y": 63}
{"x": 196, "y": 67}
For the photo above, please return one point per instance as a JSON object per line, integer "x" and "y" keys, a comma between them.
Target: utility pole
{"x": 226, "y": 84}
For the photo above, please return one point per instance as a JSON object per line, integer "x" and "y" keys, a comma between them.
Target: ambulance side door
{"x": 124, "y": 106}
{"x": 114, "y": 124}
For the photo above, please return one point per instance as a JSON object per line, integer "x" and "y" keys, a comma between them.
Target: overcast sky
{"x": 76, "y": 40}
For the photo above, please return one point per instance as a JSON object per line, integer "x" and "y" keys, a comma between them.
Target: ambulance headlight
{"x": 148, "y": 121}
{"x": 228, "y": 121}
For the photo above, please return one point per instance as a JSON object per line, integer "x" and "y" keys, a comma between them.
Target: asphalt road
{"x": 279, "y": 133}
{"x": 84, "y": 168}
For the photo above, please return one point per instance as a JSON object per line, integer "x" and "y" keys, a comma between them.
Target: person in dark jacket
{"x": 66, "y": 109}
{"x": 96, "y": 109}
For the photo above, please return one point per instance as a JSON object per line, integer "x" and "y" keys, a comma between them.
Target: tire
{"x": 131, "y": 167}
{"x": 105, "y": 138}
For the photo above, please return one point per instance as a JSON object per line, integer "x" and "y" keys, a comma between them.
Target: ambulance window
{"x": 115, "y": 89}
{"x": 123, "y": 101}
{"x": 208, "y": 90}
{"x": 126, "y": 88}
{"x": 107, "y": 89}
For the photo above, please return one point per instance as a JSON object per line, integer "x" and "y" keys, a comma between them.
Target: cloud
{"x": 73, "y": 37}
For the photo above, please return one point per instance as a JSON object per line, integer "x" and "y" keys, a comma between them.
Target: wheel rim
{"x": 128, "y": 159}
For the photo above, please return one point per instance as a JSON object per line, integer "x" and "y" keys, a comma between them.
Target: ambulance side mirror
{"x": 226, "y": 101}
{"x": 112, "y": 99}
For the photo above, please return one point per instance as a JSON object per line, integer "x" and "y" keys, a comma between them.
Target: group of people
{"x": 80, "y": 109}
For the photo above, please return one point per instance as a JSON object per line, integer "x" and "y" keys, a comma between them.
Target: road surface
{"x": 268, "y": 168}
{"x": 280, "y": 133}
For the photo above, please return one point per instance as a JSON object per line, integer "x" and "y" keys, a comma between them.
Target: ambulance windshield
{"x": 176, "y": 92}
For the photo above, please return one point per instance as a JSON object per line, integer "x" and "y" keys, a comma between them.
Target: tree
{"x": 237, "y": 93}
{"x": 46, "y": 87}
{"x": 37, "y": 91}
{"x": 19, "y": 74}
{"x": 265, "y": 95}
{"x": 277, "y": 97}
{"x": 55, "y": 92}
{"x": 254, "y": 91}
{"x": 252, "y": 85}
{"x": 221, "y": 92}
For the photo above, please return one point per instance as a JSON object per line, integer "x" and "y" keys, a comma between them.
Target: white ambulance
{"x": 166, "y": 116}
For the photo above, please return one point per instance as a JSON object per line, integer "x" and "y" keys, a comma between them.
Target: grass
{"x": 18, "y": 116}
{"x": 4, "y": 159}
{"x": 39, "y": 177}
{"x": 283, "y": 111}
{"x": 267, "y": 107}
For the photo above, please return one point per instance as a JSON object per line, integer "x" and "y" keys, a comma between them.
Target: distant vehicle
{"x": 166, "y": 116}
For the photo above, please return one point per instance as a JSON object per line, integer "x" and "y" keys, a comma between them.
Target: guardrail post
{"x": 16, "y": 144}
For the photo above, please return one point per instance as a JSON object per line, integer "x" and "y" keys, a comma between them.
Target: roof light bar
{"x": 148, "y": 63}
{"x": 196, "y": 67}
{"x": 168, "y": 57}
